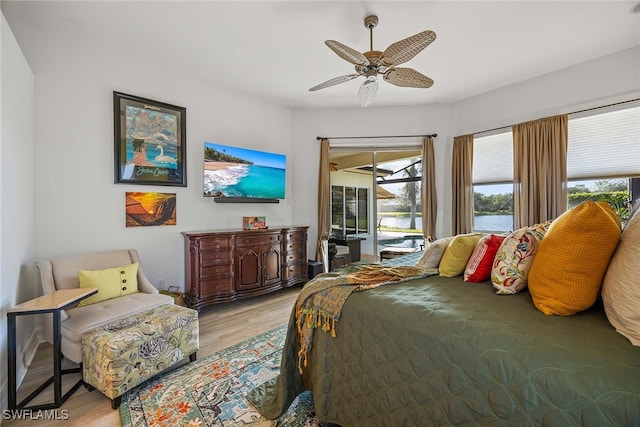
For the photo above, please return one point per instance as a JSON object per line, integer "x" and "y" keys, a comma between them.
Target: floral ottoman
{"x": 118, "y": 356}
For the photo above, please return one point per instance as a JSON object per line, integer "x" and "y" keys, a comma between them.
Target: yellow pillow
{"x": 457, "y": 254}
{"x": 572, "y": 259}
{"x": 111, "y": 282}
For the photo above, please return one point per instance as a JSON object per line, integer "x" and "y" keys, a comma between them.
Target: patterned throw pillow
{"x": 620, "y": 289}
{"x": 457, "y": 254}
{"x": 573, "y": 259}
{"x": 514, "y": 258}
{"x": 433, "y": 253}
{"x": 479, "y": 266}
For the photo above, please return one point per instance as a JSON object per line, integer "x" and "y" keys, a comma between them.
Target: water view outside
{"x": 400, "y": 222}
{"x": 493, "y": 222}
{"x": 482, "y": 222}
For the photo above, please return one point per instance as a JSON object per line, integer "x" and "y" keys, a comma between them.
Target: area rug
{"x": 212, "y": 391}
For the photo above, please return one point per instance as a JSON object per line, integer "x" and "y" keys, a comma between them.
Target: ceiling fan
{"x": 370, "y": 64}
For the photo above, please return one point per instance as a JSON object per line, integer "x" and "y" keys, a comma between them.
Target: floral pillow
{"x": 514, "y": 259}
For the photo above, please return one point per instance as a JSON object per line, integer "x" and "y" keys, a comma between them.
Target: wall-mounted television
{"x": 234, "y": 173}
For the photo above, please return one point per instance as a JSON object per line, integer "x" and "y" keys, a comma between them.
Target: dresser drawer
{"x": 219, "y": 271}
{"x": 295, "y": 270}
{"x": 211, "y": 287}
{"x": 293, "y": 256}
{"x": 215, "y": 244}
{"x": 295, "y": 236}
{"x": 215, "y": 257}
{"x": 257, "y": 240}
{"x": 294, "y": 246}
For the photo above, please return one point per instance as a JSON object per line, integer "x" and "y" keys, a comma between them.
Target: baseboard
{"x": 27, "y": 354}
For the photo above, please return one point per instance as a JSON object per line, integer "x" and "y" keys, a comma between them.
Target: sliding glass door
{"x": 375, "y": 196}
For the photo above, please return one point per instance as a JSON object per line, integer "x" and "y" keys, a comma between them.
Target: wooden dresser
{"x": 225, "y": 265}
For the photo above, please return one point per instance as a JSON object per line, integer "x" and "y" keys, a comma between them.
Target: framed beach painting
{"x": 146, "y": 209}
{"x": 150, "y": 141}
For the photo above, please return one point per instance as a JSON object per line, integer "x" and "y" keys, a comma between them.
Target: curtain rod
{"x": 433, "y": 135}
{"x": 573, "y": 112}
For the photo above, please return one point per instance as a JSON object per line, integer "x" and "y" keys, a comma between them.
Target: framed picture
{"x": 254, "y": 222}
{"x": 146, "y": 209}
{"x": 150, "y": 141}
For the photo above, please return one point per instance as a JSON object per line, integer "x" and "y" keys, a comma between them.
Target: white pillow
{"x": 433, "y": 253}
{"x": 621, "y": 286}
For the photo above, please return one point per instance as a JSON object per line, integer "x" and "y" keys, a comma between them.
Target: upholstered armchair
{"x": 62, "y": 273}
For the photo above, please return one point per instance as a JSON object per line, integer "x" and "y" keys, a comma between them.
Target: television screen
{"x": 240, "y": 172}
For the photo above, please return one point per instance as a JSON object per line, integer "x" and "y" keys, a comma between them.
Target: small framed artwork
{"x": 254, "y": 222}
{"x": 146, "y": 209}
{"x": 150, "y": 141}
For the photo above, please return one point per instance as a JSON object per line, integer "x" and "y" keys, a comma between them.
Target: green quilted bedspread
{"x": 438, "y": 351}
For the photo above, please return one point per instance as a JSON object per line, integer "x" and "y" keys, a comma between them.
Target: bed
{"x": 439, "y": 351}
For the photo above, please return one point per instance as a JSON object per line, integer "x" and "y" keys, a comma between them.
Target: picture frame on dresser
{"x": 149, "y": 141}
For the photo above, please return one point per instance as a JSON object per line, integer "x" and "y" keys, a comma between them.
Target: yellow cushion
{"x": 111, "y": 282}
{"x": 572, "y": 259}
{"x": 457, "y": 254}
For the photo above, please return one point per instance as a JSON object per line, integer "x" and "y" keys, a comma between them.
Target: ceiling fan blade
{"x": 334, "y": 81}
{"x": 403, "y": 50}
{"x": 407, "y": 77}
{"x": 347, "y": 53}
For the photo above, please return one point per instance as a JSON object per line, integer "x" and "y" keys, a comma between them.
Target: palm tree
{"x": 411, "y": 190}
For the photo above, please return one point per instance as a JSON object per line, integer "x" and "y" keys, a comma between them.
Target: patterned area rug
{"x": 211, "y": 391}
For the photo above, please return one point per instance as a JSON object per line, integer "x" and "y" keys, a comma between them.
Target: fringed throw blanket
{"x": 320, "y": 302}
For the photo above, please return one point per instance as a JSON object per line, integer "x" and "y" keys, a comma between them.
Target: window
{"x": 603, "y": 156}
{"x": 349, "y": 210}
{"x": 493, "y": 182}
{"x": 603, "y": 163}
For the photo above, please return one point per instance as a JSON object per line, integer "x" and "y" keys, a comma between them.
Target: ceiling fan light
{"x": 368, "y": 91}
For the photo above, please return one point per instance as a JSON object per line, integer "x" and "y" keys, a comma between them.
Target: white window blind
{"x": 493, "y": 158}
{"x": 604, "y": 143}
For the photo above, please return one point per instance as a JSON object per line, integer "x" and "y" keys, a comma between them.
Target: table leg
{"x": 11, "y": 348}
{"x": 57, "y": 359}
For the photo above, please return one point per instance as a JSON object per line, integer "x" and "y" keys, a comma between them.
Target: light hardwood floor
{"x": 221, "y": 326}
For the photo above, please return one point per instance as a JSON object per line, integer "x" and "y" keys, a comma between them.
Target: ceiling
{"x": 275, "y": 50}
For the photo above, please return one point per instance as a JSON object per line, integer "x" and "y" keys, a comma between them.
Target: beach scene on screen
{"x": 241, "y": 172}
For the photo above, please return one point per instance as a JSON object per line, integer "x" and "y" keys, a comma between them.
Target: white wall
{"x": 78, "y": 206}
{"x": 371, "y": 121}
{"x": 612, "y": 78}
{"x": 16, "y": 202}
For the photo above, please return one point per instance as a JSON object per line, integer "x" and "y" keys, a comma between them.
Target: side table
{"x": 352, "y": 242}
{"x": 53, "y": 303}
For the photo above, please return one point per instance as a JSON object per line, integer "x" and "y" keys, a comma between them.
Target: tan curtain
{"x": 429, "y": 200}
{"x": 462, "y": 185}
{"x": 540, "y": 170}
{"x": 324, "y": 205}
